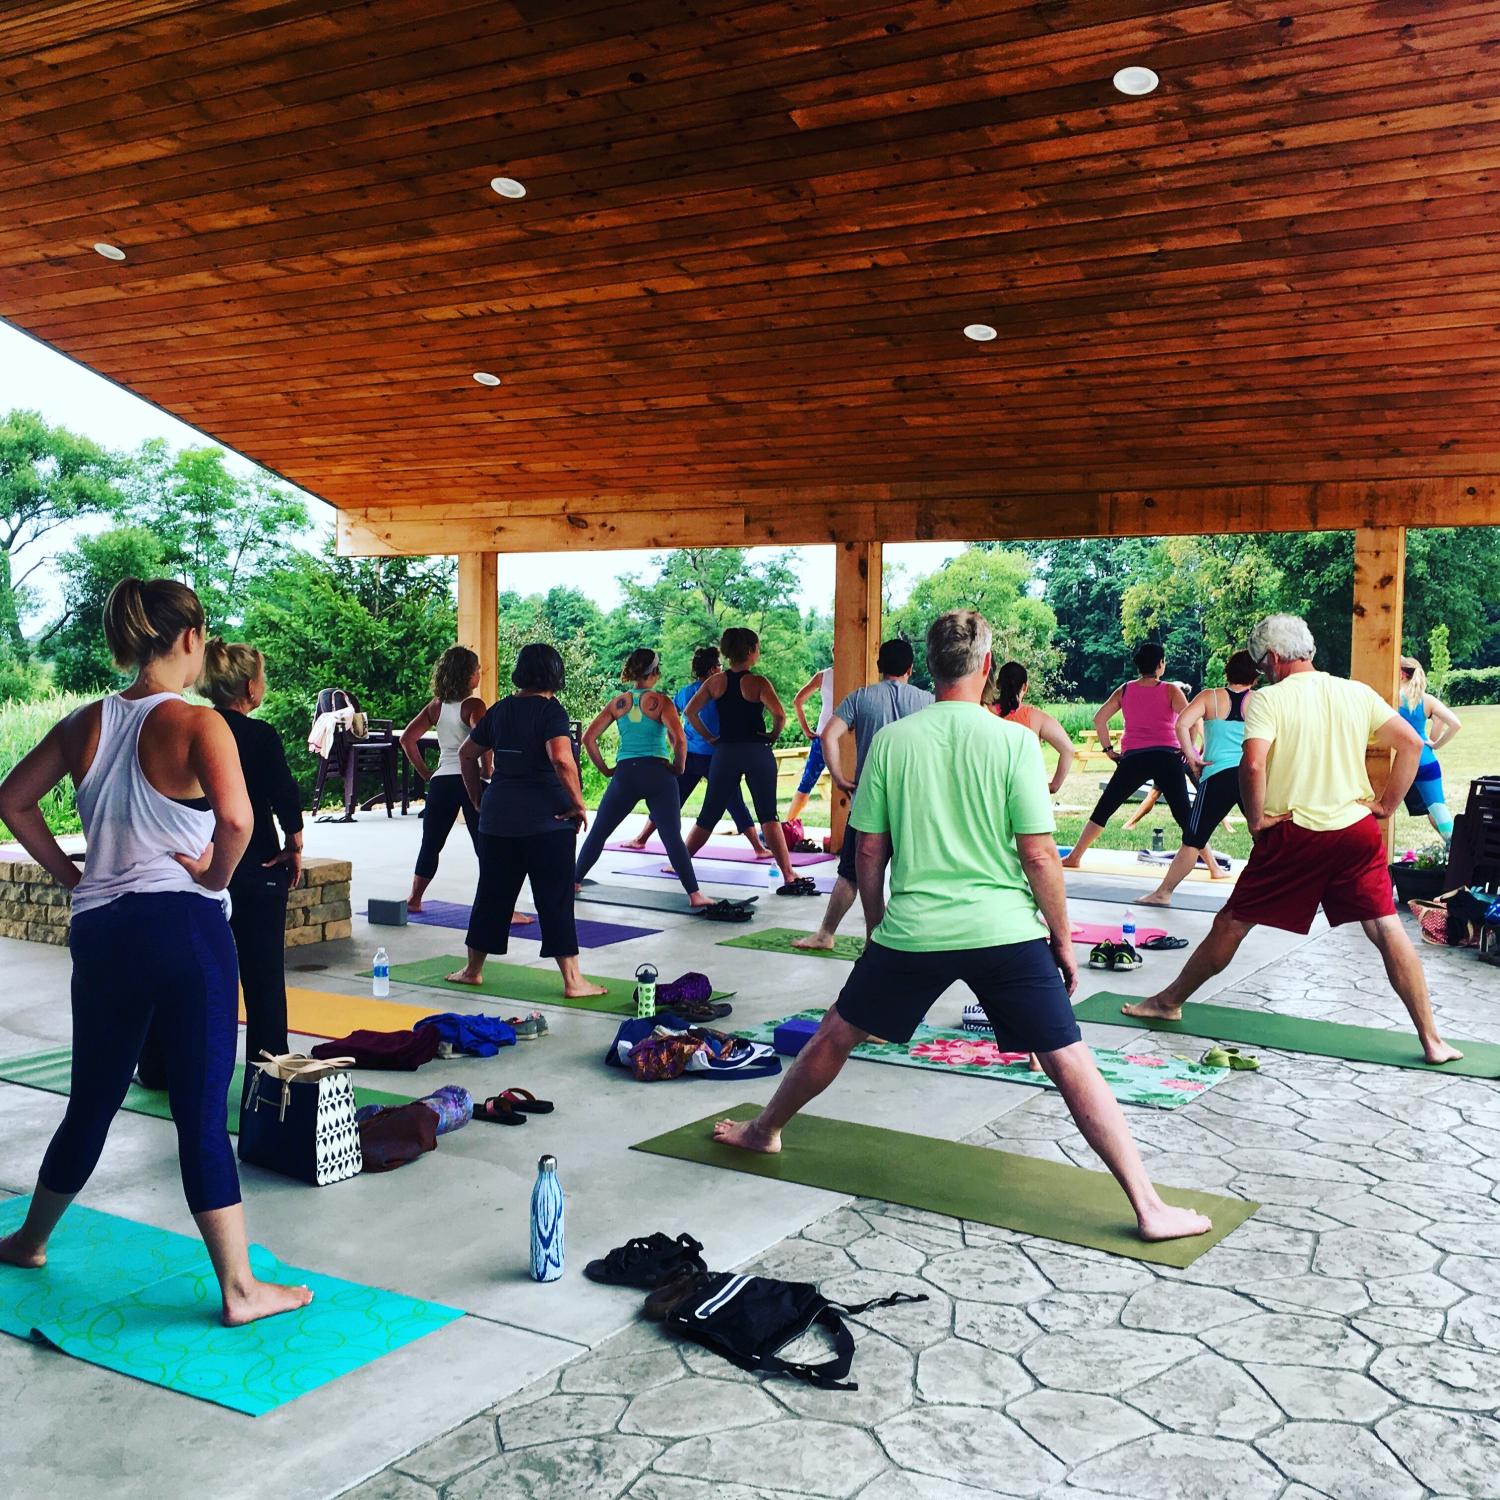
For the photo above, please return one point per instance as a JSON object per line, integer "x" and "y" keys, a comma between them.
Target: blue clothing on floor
{"x": 478, "y": 1035}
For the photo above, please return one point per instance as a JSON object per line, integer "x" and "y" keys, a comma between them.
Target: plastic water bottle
{"x": 381, "y": 970}
{"x": 645, "y": 992}
{"x": 1127, "y": 928}
{"x": 546, "y": 1222}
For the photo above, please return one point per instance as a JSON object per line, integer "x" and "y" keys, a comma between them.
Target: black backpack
{"x": 748, "y": 1319}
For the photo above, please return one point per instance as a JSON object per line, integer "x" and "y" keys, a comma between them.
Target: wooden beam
{"x": 479, "y": 615}
{"x": 908, "y": 513}
{"x": 856, "y": 641}
{"x": 1375, "y": 645}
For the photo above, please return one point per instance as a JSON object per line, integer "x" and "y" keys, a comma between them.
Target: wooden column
{"x": 856, "y": 642}
{"x": 1375, "y": 645}
{"x": 479, "y": 615}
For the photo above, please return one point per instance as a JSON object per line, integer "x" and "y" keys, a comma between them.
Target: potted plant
{"x": 1421, "y": 873}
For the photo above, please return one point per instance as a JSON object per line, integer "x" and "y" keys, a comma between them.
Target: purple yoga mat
{"x": 729, "y": 853}
{"x": 590, "y": 934}
{"x": 757, "y": 879}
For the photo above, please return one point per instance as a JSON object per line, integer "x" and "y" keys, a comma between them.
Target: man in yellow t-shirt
{"x": 1315, "y": 821}
{"x": 955, "y": 801}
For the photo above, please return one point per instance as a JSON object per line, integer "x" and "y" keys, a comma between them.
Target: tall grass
{"x": 1077, "y": 718}
{"x": 21, "y": 726}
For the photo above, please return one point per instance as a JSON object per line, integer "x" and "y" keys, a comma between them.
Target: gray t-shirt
{"x": 868, "y": 710}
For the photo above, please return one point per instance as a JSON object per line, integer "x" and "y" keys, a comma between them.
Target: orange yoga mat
{"x": 319, "y": 1013}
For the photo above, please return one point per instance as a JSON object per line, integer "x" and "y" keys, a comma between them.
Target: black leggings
{"x": 751, "y": 760}
{"x": 1136, "y": 768}
{"x": 1217, "y": 796}
{"x": 504, "y": 865}
{"x": 696, "y": 770}
{"x": 642, "y": 779}
{"x": 446, "y": 798}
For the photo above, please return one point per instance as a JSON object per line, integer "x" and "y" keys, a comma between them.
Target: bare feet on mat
{"x": 1152, "y": 1008}
{"x": 584, "y": 990}
{"x": 1073, "y": 862}
{"x": 748, "y": 1136}
{"x": 764, "y": 853}
{"x": 1167, "y": 1223}
{"x": 1440, "y": 1052}
{"x": 15, "y": 1252}
{"x": 263, "y": 1299}
{"x": 1156, "y": 898}
{"x": 634, "y": 844}
{"x": 463, "y": 976}
{"x": 521, "y": 919}
{"x": 815, "y": 942}
{"x": 414, "y": 908}
{"x": 1033, "y": 1063}
{"x": 697, "y": 899}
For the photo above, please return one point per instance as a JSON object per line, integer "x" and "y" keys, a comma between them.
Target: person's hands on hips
{"x": 1065, "y": 959}
{"x": 292, "y": 860}
{"x": 1267, "y": 821}
{"x": 198, "y": 866}
{"x": 1378, "y": 810}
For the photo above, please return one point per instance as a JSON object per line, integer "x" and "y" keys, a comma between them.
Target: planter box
{"x": 1413, "y": 884}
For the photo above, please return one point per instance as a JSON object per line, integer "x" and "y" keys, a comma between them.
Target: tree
{"x": 996, "y": 582}
{"x": 1439, "y": 659}
{"x": 90, "y": 570}
{"x": 48, "y": 477}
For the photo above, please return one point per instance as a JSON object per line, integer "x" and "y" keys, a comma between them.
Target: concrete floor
{"x": 453, "y": 1227}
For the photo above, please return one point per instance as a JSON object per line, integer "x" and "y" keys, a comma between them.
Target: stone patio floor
{"x": 1342, "y": 1343}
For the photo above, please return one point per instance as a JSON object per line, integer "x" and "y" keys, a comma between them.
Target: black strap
{"x": 855, "y": 1308}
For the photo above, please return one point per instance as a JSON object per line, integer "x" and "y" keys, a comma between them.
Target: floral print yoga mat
{"x": 1139, "y": 1077}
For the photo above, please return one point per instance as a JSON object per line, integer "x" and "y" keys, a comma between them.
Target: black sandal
{"x": 526, "y": 1102}
{"x": 725, "y": 911}
{"x": 648, "y": 1261}
{"x": 1163, "y": 944}
{"x": 802, "y": 885}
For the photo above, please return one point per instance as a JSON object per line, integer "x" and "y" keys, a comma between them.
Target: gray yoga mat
{"x": 621, "y": 895}
{"x": 1189, "y": 896}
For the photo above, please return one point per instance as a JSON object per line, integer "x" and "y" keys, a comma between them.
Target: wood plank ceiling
{"x": 753, "y": 234}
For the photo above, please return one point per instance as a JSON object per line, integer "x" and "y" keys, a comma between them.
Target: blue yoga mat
{"x": 455, "y": 914}
{"x": 144, "y": 1302}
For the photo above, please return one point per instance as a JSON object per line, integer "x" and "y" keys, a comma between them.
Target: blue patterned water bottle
{"x": 546, "y": 1222}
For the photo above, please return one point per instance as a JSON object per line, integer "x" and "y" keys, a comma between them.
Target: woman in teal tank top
{"x": 1437, "y": 724}
{"x": 653, "y": 751}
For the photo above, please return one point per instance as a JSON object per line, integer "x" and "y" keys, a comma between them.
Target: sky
{"x": 67, "y": 394}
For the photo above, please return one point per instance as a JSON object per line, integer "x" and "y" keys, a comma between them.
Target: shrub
{"x": 21, "y": 726}
{"x": 1473, "y": 685}
{"x": 1078, "y": 718}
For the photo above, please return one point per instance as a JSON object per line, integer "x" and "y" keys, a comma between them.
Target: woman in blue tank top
{"x": 1422, "y": 710}
{"x": 653, "y": 750}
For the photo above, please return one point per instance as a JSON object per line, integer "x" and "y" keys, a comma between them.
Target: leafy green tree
{"x": 48, "y": 477}
{"x": 93, "y": 566}
{"x": 997, "y": 582}
{"x": 1439, "y": 659}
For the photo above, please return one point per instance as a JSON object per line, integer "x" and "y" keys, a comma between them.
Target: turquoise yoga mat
{"x": 144, "y": 1302}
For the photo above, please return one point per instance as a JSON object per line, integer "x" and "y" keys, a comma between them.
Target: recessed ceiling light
{"x": 508, "y": 187}
{"x": 1136, "y": 80}
{"x": 485, "y": 378}
{"x": 981, "y": 333}
{"x": 108, "y": 251}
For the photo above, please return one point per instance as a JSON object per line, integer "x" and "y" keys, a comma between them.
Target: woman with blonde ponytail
{"x": 1422, "y": 710}
{"x": 166, "y": 817}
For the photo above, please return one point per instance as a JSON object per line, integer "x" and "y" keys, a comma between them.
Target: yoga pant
{"x": 1426, "y": 791}
{"x": 168, "y": 956}
{"x": 750, "y": 760}
{"x": 446, "y": 798}
{"x": 1294, "y": 870}
{"x": 1159, "y": 764}
{"x": 652, "y": 781}
{"x": 1217, "y": 796}
{"x": 696, "y": 770}
{"x": 546, "y": 859}
{"x": 889, "y": 991}
{"x": 814, "y": 767}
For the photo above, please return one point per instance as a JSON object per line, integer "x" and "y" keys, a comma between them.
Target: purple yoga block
{"x": 793, "y": 1035}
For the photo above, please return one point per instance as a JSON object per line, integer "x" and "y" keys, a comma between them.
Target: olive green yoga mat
{"x": 1263, "y": 1028}
{"x": 1023, "y": 1193}
{"x": 846, "y": 945}
{"x": 516, "y": 982}
{"x": 144, "y": 1302}
{"x": 53, "y": 1072}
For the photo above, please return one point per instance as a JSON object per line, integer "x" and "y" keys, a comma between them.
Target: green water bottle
{"x": 645, "y": 992}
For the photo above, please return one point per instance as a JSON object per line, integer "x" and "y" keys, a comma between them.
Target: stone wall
{"x": 34, "y": 907}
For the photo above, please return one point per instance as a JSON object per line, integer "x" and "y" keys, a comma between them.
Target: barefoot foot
{"x": 1166, "y": 1223}
{"x": 521, "y": 919}
{"x": 1440, "y": 1052}
{"x": 697, "y": 900}
{"x": 1033, "y": 1063}
{"x": 748, "y": 1136}
{"x": 1153, "y": 1008}
{"x": 414, "y": 908}
{"x": 463, "y": 976}
{"x": 263, "y": 1299}
{"x": 15, "y": 1252}
{"x": 815, "y": 942}
{"x": 583, "y": 991}
{"x": 634, "y": 844}
{"x": 1070, "y": 863}
{"x": 1156, "y": 898}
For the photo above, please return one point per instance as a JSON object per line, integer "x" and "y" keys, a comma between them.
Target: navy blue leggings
{"x": 167, "y": 956}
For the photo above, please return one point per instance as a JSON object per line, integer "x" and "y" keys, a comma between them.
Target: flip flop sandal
{"x": 1164, "y": 944}
{"x": 648, "y": 1262}
{"x": 803, "y": 886}
{"x": 698, "y": 1011}
{"x": 498, "y": 1112}
{"x": 803, "y": 846}
{"x": 527, "y": 1102}
{"x": 1215, "y": 1057}
{"x": 1124, "y": 957}
{"x": 1101, "y": 955}
{"x": 725, "y": 911}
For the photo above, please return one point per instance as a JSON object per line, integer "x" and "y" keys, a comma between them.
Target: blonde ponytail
{"x": 143, "y": 620}
{"x": 228, "y": 671}
{"x": 1413, "y": 681}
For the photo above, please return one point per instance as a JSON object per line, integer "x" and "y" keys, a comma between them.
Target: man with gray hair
{"x": 955, "y": 801}
{"x": 1316, "y": 823}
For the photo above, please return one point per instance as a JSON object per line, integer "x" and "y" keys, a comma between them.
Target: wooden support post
{"x": 479, "y": 615}
{"x": 1375, "y": 644}
{"x": 856, "y": 642}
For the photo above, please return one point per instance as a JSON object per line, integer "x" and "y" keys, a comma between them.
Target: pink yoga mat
{"x": 1102, "y": 932}
{"x": 728, "y": 852}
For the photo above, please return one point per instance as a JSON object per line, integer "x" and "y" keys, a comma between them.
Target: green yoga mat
{"x": 516, "y": 982}
{"x": 1023, "y": 1193}
{"x": 53, "y": 1071}
{"x": 1153, "y": 1081}
{"x": 144, "y": 1302}
{"x": 779, "y": 940}
{"x": 1261, "y": 1028}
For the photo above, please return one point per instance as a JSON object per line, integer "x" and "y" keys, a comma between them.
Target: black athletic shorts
{"x": 1018, "y": 984}
{"x": 847, "y": 853}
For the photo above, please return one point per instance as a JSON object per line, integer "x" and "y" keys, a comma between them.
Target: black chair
{"x": 348, "y": 757}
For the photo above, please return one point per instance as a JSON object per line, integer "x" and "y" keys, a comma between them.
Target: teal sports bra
{"x": 641, "y": 738}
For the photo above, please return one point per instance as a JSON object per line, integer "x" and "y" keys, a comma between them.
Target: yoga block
{"x": 793, "y": 1035}
{"x": 387, "y": 913}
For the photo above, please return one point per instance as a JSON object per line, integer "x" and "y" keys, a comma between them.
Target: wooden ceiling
{"x": 752, "y": 236}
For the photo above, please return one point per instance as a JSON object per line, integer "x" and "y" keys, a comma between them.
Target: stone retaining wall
{"x": 35, "y": 908}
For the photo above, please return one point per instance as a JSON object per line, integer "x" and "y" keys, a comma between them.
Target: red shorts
{"x": 1292, "y": 871}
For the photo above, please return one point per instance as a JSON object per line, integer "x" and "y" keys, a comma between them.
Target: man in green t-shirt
{"x": 955, "y": 801}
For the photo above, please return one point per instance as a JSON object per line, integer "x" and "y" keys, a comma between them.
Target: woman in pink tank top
{"x": 1148, "y": 752}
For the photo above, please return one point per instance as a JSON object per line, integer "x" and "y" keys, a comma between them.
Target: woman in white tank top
{"x": 166, "y": 816}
